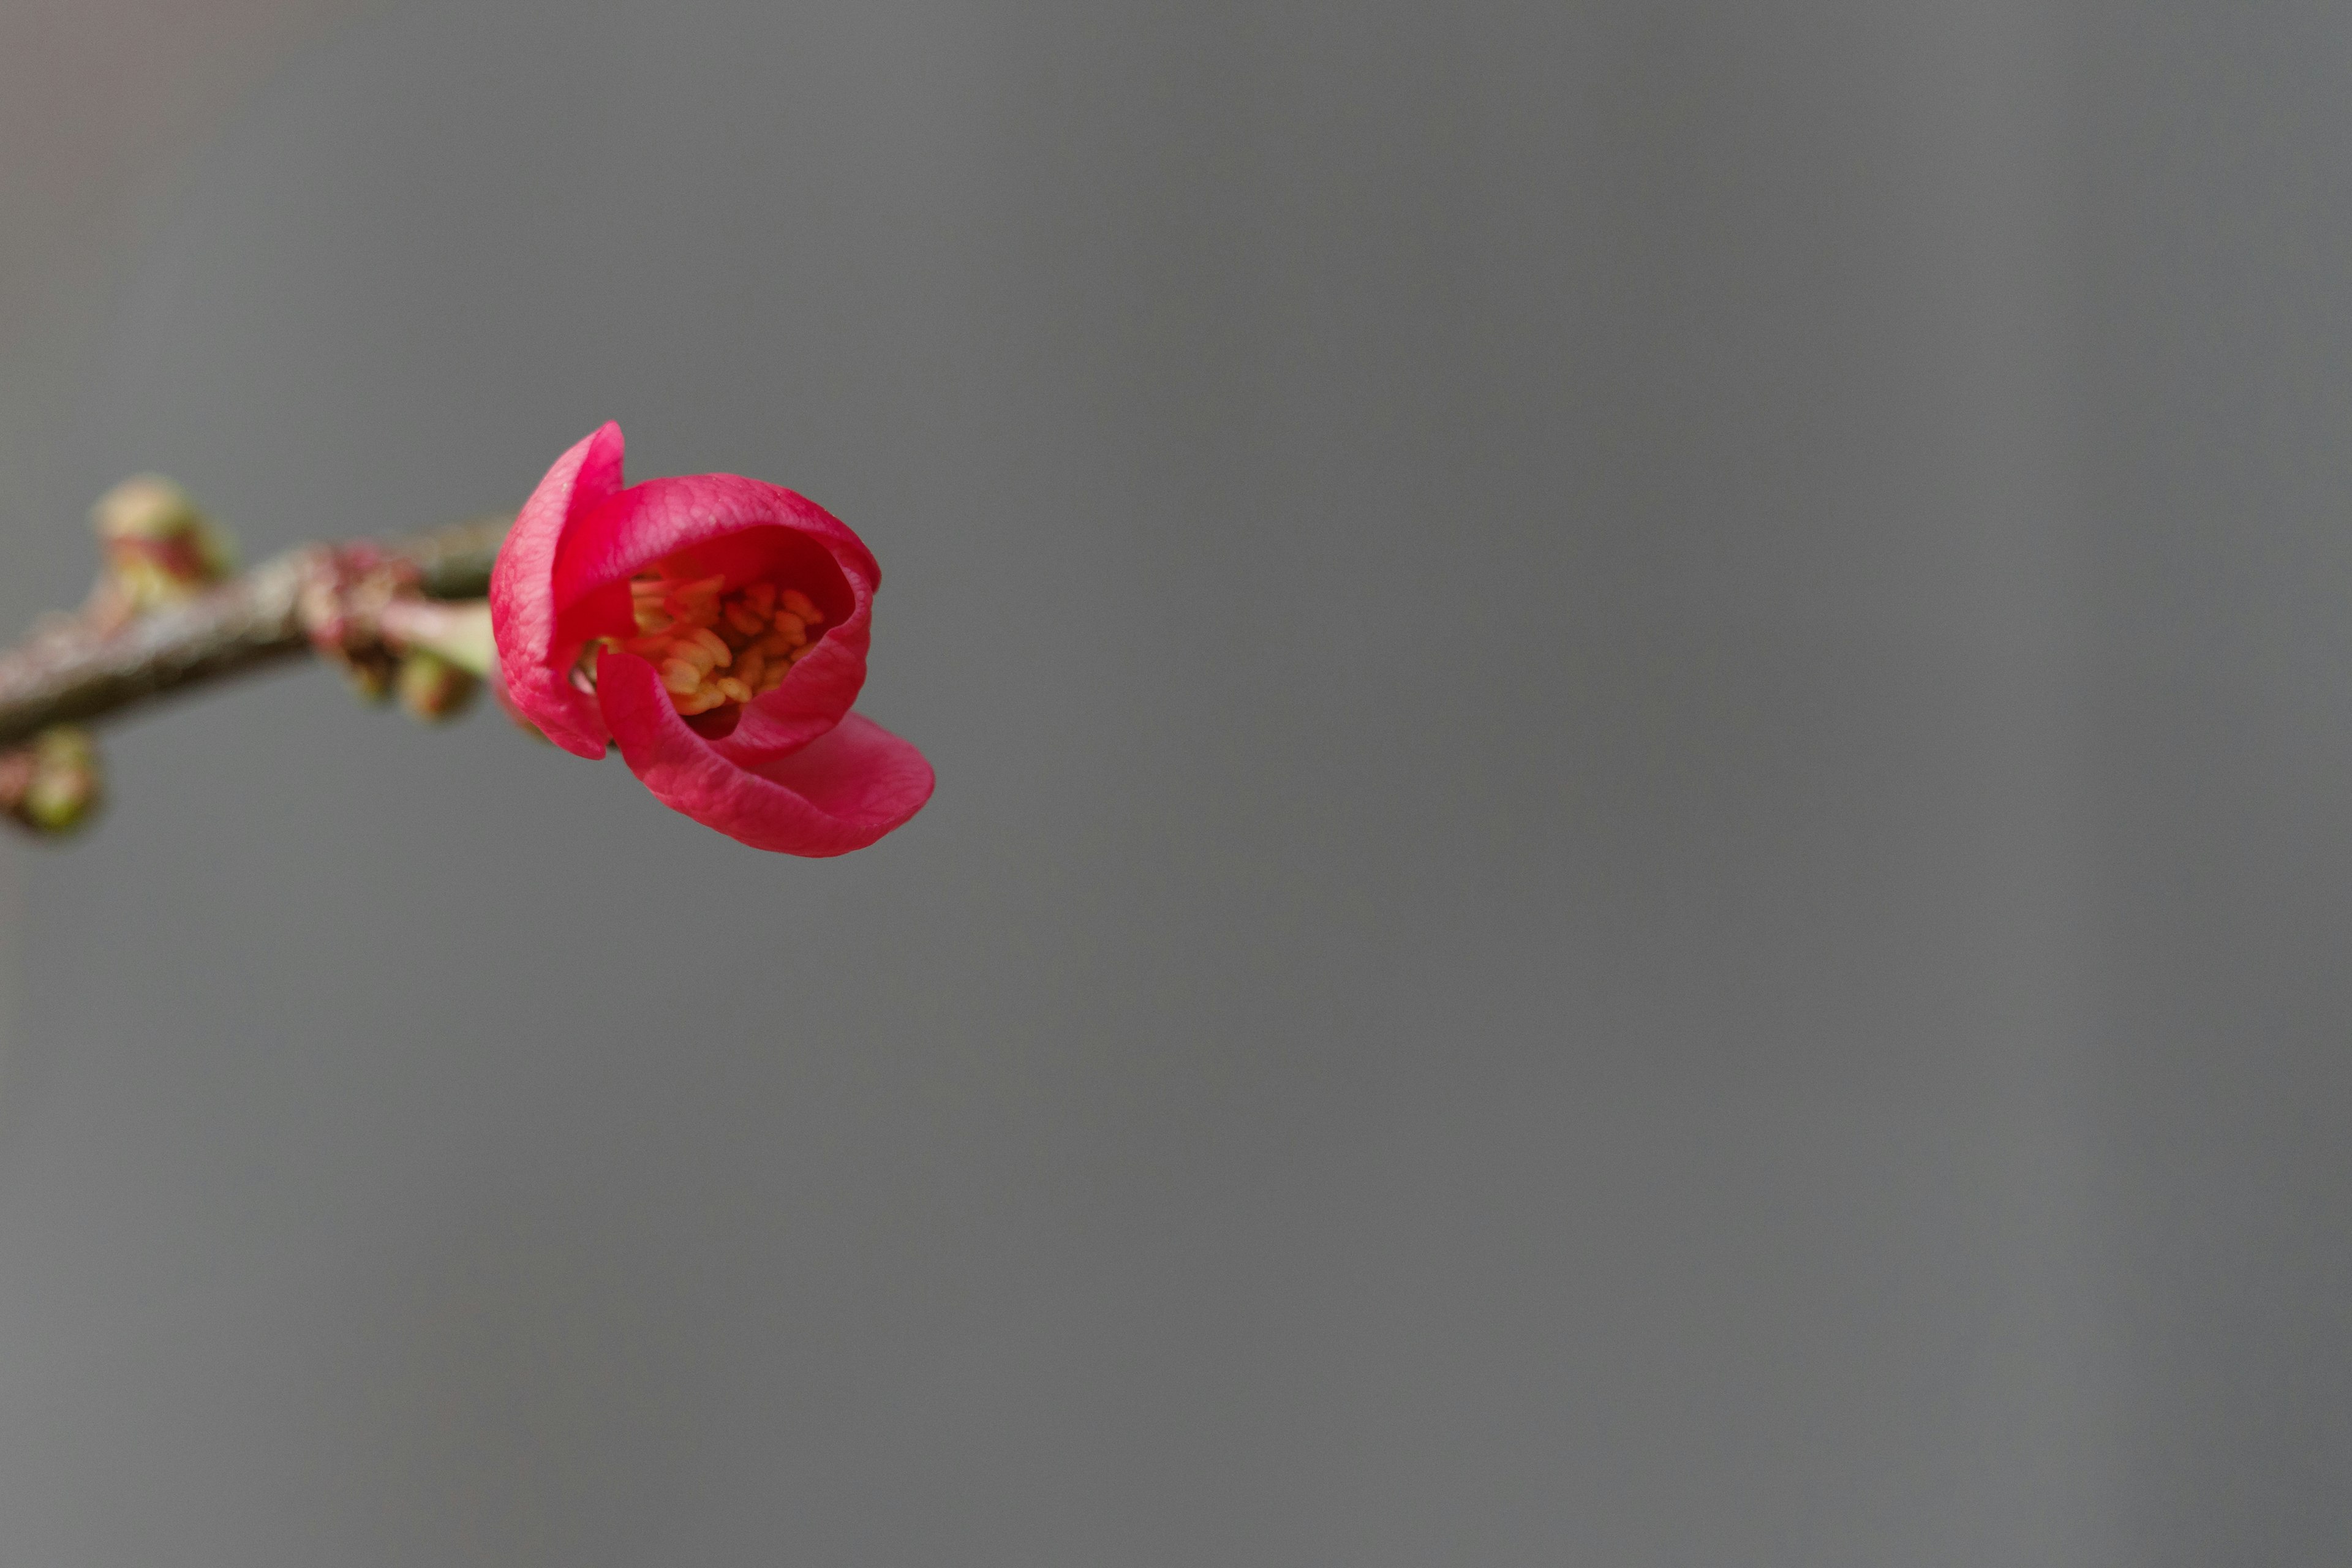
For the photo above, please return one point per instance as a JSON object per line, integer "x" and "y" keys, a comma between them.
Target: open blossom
{"x": 716, "y": 628}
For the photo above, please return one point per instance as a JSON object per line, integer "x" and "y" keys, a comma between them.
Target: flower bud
{"x": 53, "y": 785}
{"x": 160, "y": 550}
{"x": 431, "y": 689}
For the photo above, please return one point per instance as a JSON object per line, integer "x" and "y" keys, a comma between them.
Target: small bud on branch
{"x": 53, "y": 787}
{"x": 432, "y": 689}
{"x": 157, "y": 547}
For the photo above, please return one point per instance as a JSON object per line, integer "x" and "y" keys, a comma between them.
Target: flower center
{"x": 717, "y": 645}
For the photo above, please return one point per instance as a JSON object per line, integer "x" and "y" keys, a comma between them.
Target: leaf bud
{"x": 159, "y": 548}
{"x": 432, "y": 690}
{"x": 53, "y": 784}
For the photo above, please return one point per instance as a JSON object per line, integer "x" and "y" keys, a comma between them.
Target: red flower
{"x": 716, "y": 628}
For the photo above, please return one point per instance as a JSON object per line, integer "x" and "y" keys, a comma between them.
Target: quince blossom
{"x": 714, "y": 626}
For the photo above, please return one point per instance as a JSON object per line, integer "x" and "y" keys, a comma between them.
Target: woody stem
{"x": 75, "y": 669}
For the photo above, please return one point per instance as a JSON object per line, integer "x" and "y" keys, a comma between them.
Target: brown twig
{"x": 90, "y": 665}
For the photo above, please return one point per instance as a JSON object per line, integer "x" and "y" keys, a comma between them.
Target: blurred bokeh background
{"x": 1641, "y": 852}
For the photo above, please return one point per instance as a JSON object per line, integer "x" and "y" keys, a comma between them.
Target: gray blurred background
{"x": 1641, "y": 854}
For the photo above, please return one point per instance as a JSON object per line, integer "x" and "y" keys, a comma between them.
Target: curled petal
{"x": 534, "y": 668}
{"x": 840, "y": 792}
{"x": 745, "y": 529}
{"x": 819, "y": 692}
{"x": 663, "y": 517}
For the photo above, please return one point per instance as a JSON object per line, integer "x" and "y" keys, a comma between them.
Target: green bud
{"x": 159, "y": 549}
{"x": 54, "y": 785}
{"x": 431, "y": 689}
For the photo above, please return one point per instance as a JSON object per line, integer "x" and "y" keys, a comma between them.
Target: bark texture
{"x": 317, "y": 598}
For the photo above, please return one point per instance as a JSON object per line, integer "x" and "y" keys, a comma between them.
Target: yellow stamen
{"x": 691, "y": 628}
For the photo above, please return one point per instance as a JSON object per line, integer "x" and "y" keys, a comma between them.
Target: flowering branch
{"x": 715, "y": 630}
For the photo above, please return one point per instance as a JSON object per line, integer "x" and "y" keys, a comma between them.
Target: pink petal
{"x": 745, "y": 528}
{"x": 534, "y": 670}
{"x": 813, "y": 698}
{"x": 662, "y": 517}
{"x": 841, "y": 792}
